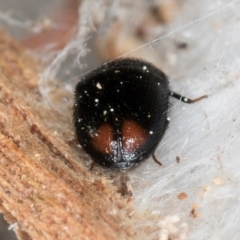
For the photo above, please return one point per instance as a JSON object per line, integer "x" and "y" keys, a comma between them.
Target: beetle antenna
{"x": 185, "y": 99}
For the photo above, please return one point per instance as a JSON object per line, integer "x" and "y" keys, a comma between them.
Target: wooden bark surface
{"x": 44, "y": 188}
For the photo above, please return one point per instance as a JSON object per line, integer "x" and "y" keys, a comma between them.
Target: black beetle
{"x": 121, "y": 112}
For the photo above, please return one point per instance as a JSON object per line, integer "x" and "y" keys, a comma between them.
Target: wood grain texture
{"x": 43, "y": 186}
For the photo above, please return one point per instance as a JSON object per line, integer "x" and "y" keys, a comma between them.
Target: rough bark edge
{"x": 41, "y": 168}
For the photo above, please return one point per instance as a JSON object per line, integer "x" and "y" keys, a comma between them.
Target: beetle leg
{"x": 92, "y": 166}
{"x": 156, "y": 160}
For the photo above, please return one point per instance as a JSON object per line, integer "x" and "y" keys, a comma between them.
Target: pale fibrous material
{"x": 204, "y": 136}
{"x": 200, "y": 151}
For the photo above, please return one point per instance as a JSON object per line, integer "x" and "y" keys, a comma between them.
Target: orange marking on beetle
{"x": 133, "y": 135}
{"x": 103, "y": 139}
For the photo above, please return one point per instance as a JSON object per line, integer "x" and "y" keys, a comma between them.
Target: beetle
{"x": 121, "y": 111}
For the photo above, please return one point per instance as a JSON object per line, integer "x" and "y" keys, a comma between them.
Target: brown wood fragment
{"x": 42, "y": 186}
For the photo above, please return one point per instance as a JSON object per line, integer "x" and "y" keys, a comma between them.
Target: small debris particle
{"x": 194, "y": 213}
{"x": 182, "y": 196}
{"x": 218, "y": 181}
{"x": 177, "y": 159}
{"x": 13, "y": 226}
{"x": 207, "y": 188}
{"x": 125, "y": 188}
{"x": 182, "y": 45}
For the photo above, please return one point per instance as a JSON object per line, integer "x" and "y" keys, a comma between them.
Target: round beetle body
{"x": 120, "y": 112}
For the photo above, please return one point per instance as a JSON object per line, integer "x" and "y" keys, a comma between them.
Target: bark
{"x": 45, "y": 187}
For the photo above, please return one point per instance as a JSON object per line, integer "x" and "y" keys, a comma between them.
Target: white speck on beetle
{"x": 158, "y": 83}
{"x": 79, "y": 120}
{"x": 99, "y": 86}
{"x": 96, "y": 100}
{"x": 104, "y": 112}
{"x": 185, "y": 99}
{"x": 149, "y": 116}
{"x": 151, "y": 132}
{"x": 144, "y": 68}
{"x": 117, "y": 71}
{"x": 168, "y": 118}
{"x": 140, "y": 77}
{"x": 112, "y": 110}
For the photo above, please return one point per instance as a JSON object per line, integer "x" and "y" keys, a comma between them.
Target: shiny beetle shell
{"x": 120, "y": 112}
